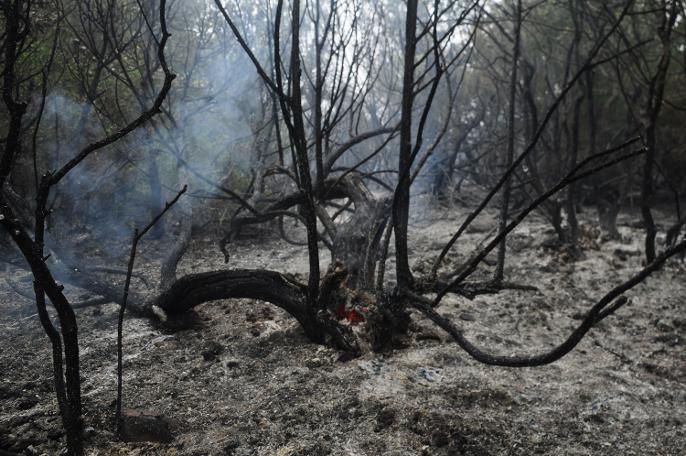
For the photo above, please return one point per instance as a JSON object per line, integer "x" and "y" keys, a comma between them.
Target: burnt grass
{"x": 239, "y": 377}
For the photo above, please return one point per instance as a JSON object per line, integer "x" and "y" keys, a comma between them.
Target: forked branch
{"x": 607, "y": 305}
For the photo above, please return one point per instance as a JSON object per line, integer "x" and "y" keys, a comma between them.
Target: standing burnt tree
{"x": 65, "y": 344}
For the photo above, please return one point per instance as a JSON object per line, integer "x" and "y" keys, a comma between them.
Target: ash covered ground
{"x": 241, "y": 379}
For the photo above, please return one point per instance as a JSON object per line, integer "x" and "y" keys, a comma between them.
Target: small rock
{"x": 430, "y": 374}
{"x": 467, "y": 317}
{"x": 300, "y": 371}
{"x": 138, "y": 426}
{"x": 232, "y": 363}
{"x": 482, "y": 224}
{"x": 313, "y": 363}
{"x": 663, "y": 326}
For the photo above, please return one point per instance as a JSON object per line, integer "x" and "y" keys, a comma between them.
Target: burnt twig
{"x": 137, "y": 236}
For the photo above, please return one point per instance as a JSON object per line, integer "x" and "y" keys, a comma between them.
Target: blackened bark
{"x": 573, "y": 146}
{"x": 32, "y": 252}
{"x": 12, "y": 12}
{"x": 655, "y": 101}
{"x": 270, "y": 286}
{"x": 358, "y": 240}
{"x": 401, "y": 202}
{"x": 505, "y": 203}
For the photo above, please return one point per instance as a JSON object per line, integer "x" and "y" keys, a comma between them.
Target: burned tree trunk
{"x": 607, "y": 216}
{"x": 170, "y": 262}
{"x": 358, "y": 240}
{"x": 401, "y": 201}
{"x": 507, "y": 190}
{"x": 656, "y": 92}
{"x": 195, "y": 289}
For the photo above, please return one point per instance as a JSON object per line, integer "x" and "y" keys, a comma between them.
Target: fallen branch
{"x": 606, "y": 306}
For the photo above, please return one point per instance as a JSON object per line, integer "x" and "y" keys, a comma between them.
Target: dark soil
{"x": 241, "y": 379}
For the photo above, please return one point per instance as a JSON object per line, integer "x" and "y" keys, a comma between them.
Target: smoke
{"x": 208, "y": 122}
{"x": 213, "y": 125}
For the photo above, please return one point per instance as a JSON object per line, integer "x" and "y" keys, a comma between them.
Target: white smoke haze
{"x": 208, "y": 123}
{"x": 214, "y": 128}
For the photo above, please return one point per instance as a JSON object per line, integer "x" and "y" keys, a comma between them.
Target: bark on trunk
{"x": 401, "y": 203}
